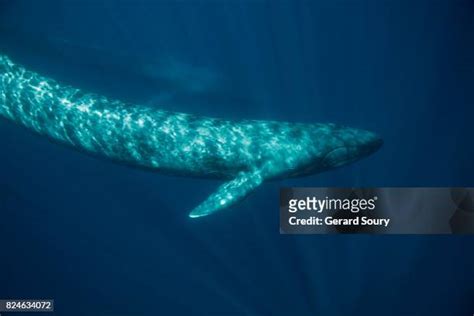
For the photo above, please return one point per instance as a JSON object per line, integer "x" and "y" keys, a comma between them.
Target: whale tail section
{"x": 229, "y": 194}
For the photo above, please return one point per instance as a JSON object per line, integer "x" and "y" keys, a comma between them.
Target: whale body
{"x": 243, "y": 153}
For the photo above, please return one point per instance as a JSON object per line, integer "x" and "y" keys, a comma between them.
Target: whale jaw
{"x": 357, "y": 144}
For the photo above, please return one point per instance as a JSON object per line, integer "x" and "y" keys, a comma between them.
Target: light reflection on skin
{"x": 245, "y": 152}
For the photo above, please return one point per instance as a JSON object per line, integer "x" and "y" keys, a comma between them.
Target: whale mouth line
{"x": 332, "y": 158}
{"x": 343, "y": 155}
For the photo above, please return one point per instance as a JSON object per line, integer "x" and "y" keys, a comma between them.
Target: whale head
{"x": 328, "y": 146}
{"x": 347, "y": 145}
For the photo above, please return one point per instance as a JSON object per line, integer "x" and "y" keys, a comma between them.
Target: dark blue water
{"x": 104, "y": 239}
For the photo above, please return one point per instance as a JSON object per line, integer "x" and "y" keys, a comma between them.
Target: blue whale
{"x": 243, "y": 153}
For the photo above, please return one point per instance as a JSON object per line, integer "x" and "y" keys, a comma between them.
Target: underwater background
{"x": 104, "y": 239}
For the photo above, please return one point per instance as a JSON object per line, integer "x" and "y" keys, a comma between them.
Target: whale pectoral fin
{"x": 228, "y": 194}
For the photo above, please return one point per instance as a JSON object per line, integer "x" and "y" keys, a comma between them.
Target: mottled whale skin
{"x": 244, "y": 153}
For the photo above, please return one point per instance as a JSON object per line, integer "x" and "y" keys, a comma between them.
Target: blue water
{"x": 104, "y": 239}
